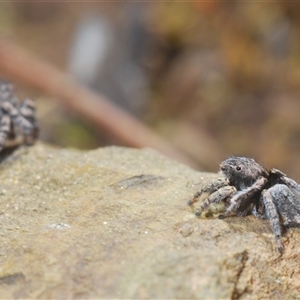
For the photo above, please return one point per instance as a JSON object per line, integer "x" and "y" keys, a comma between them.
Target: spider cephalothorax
{"x": 250, "y": 189}
{"x": 16, "y": 118}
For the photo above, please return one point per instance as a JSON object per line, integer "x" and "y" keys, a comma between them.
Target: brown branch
{"x": 16, "y": 63}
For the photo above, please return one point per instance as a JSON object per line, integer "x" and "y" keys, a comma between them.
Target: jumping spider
{"x": 16, "y": 118}
{"x": 250, "y": 189}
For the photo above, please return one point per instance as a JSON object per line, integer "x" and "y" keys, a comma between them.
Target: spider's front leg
{"x": 218, "y": 189}
{"x": 242, "y": 196}
{"x": 214, "y": 185}
{"x": 216, "y": 197}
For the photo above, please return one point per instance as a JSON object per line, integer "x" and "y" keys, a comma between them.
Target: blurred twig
{"x": 16, "y": 63}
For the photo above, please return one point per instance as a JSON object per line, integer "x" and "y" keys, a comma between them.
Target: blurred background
{"x": 213, "y": 78}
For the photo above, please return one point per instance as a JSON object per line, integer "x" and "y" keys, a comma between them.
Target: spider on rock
{"x": 248, "y": 188}
{"x": 16, "y": 118}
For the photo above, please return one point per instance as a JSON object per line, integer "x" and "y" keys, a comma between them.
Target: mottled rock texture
{"x": 114, "y": 223}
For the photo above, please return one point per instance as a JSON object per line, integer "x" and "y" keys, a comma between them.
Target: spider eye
{"x": 238, "y": 168}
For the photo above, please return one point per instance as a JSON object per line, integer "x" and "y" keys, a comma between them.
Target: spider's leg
{"x": 242, "y": 196}
{"x": 272, "y": 214}
{"x": 214, "y": 185}
{"x": 27, "y": 110}
{"x": 219, "y": 195}
{"x": 4, "y": 130}
{"x": 287, "y": 181}
{"x": 259, "y": 209}
{"x": 287, "y": 204}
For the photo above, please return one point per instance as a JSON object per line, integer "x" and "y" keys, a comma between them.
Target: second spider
{"x": 16, "y": 118}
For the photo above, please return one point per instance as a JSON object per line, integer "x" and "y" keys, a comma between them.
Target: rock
{"x": 114, "y": 223}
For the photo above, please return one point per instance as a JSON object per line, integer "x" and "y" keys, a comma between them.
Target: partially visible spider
{"x": 248, "y": 188}
{"x": 16, "y": 118}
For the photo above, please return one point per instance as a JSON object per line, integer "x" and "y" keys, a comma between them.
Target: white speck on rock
{"x": 58, "y": 226}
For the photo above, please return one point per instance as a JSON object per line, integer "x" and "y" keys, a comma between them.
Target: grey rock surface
{"x": 114, "y": 223}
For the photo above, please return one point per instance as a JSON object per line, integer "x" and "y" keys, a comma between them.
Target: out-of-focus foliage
{"x": 232, "y": 86}
{"x": 215, "y": 78}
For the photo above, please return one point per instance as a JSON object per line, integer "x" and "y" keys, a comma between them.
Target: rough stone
{"x": 114, "y": 223}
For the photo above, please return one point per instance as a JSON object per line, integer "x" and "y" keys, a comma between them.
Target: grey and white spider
{"x": 16, "y": 118}
{"x": 248, "y": 188}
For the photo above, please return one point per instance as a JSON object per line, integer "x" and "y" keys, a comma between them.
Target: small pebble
{"x": 186, "y": 229}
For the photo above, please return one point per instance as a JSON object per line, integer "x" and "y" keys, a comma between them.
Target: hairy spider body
{"x": 248, "y": 188}
{"x": 16, "y": 118}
